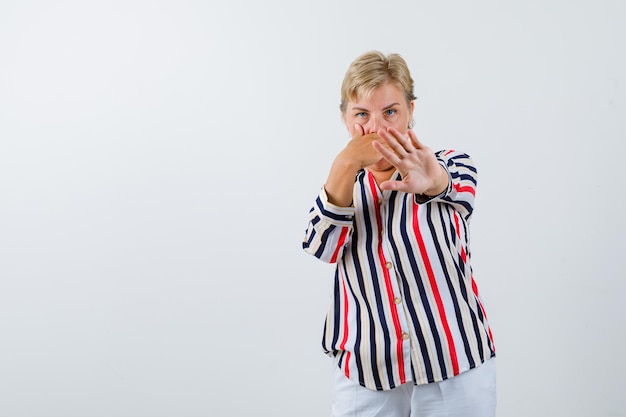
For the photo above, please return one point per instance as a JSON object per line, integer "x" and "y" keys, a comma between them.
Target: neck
{"x": 382, "y": 175}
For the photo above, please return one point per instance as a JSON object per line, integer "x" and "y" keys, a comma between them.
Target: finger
{"x": 397, "y": 141}
{"x": 394, "y": 186}
{"x": 415, "y": 140}
{"x": 385, "y": 151}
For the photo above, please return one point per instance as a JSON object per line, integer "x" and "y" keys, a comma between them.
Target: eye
{"x": 361, "y": 114}
{"x": 390, "y": 112}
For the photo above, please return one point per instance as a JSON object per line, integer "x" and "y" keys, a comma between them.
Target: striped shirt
{"x": 405, "y": 305}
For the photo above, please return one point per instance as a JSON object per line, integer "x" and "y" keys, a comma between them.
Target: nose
{"x": 374, "y": 123}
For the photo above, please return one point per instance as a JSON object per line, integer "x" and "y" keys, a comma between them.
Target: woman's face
{"x": 385, "y": 107}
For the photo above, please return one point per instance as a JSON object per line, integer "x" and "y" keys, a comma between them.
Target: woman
{"x": 406, "y": 327}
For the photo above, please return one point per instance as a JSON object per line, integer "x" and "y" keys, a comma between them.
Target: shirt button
{"x": 397, "y": 300}
{"x": 389, "y": 265}
{"x": 405, "y": 336}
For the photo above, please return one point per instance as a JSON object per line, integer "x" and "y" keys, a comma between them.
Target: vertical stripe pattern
{"x": 405, "y": 303}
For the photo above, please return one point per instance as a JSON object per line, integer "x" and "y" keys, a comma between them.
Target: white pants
{"x": 470, "y": 394}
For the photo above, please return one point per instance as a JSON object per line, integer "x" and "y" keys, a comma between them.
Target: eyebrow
{"x": 384, "y": 108}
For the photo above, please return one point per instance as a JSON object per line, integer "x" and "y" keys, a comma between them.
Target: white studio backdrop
{"x": 158, "y": 160}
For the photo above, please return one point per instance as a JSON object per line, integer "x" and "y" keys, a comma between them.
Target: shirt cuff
{"x": 335, "y": 214}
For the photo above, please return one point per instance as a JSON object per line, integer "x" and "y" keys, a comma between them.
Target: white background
{"x": 158, "y": 160}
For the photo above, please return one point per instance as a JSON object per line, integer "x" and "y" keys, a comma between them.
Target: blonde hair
{"x": 371, "y": 70}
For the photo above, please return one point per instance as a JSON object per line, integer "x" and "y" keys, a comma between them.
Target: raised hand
{"x": 420, "y": 170}
{"x": 359, "y": 151}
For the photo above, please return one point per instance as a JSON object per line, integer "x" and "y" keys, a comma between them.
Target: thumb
{"x": 358, "y": 129}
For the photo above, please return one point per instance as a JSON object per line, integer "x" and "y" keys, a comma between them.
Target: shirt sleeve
{"x": 329, "y": 229}
{"x": 462, "y": 181}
